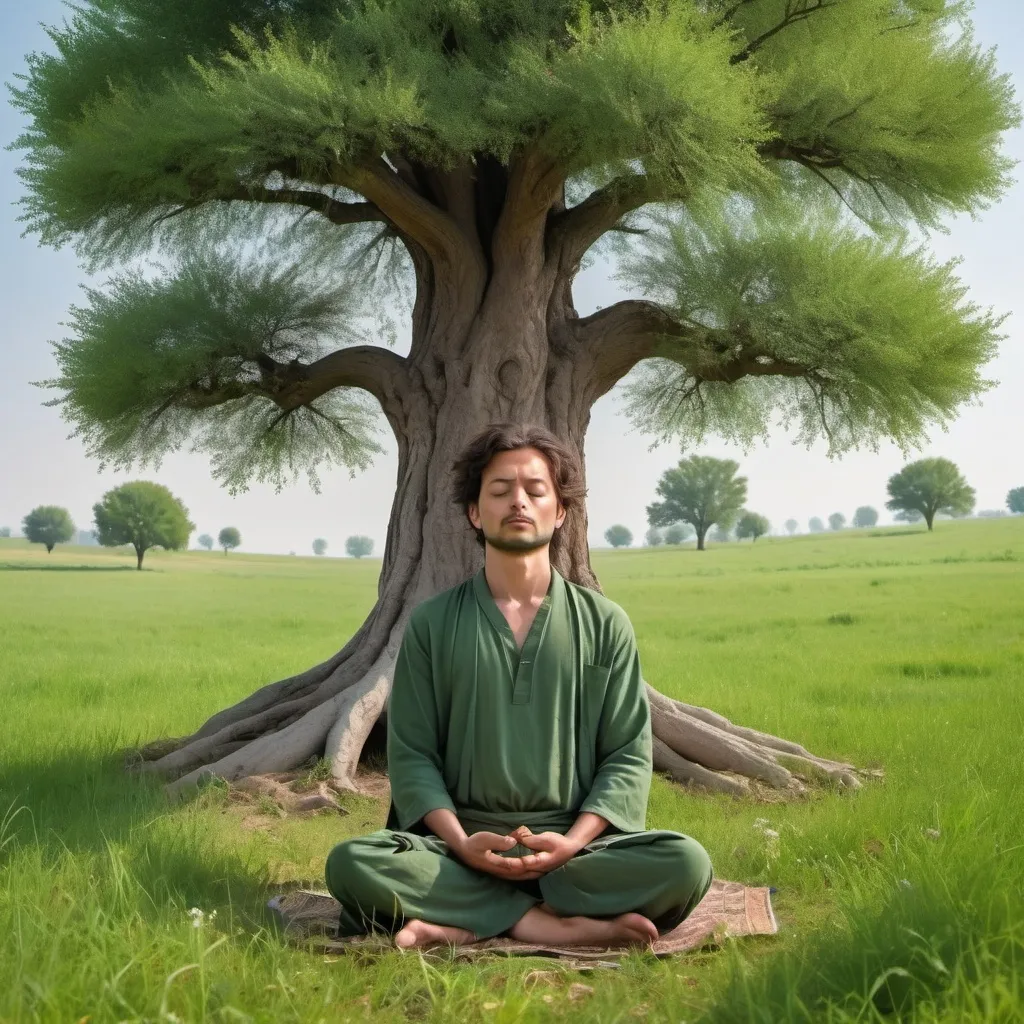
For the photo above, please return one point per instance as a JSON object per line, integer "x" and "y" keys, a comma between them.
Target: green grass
{"x": 893, "y": 648}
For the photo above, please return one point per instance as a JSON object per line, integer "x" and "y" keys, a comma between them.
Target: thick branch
{"x": 619, "y": 337}
{"x": 412, "y": 213}
{"x": 334, "y": 210}
{"x": 369, "y": 367}
{"x": 573, "y": 232}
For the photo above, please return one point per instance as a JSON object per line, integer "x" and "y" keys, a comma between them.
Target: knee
{"x": 348, "y": 867}
{"x": 689, "y": 868}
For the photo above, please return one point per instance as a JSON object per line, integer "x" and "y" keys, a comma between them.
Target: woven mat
{"x": 730, "y": 909}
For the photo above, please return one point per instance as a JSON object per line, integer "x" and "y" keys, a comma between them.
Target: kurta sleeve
{"x": 414, "y": 735}
{"x": 624, "y": 754}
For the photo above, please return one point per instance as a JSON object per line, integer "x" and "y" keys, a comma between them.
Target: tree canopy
{"x": 772, "y": 151}
{"x": 676, "y": 533}
{"x": 815, "y": 525}
{"x": 204, "y": 540}
{"x": 229, "y": 538}
{"x": 320, "y": 546}
{"x": 865, "y": 516}
{"x": 930, "y": 487}
{"x": 653, "y": 537}
{"x": 619, "y": 536}
{"x": 359, "y": 547}
{"x": 792, "y": 526}
{"x": 1015, "y": 500}
{"x": 50, "y": 525}
{"x": 143, "y": 514}
{"x": 836, "y": 521}
{"x": 700, "y": 491}
{"x": 752, "y": 525}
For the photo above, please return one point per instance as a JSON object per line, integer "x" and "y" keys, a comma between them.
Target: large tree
{"x": 143, "y": 514}
{"x": 1015, "y": 500}
{"x": 297, "y": 162}
{"x": 929, "y": 487}
{"x": 701, "y": 491}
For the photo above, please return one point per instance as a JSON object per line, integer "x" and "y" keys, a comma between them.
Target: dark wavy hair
{"x": 566, "y": 471}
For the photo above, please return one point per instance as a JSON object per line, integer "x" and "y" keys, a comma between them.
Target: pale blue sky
{"x": 38, "y": 464}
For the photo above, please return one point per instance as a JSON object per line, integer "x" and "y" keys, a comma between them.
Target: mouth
{"x": 519, "y": 522}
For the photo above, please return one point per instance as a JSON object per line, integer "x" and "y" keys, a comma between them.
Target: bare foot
{"x": 543, "y": 927}
{"x": 419, "y": 934}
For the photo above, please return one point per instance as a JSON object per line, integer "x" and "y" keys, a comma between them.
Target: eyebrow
{"x": 511, "y": 479}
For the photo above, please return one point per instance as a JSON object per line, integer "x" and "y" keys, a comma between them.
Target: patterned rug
{"x": 729, "y": 910}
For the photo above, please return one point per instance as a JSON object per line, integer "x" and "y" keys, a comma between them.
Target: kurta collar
{"x": 486, "y": 600}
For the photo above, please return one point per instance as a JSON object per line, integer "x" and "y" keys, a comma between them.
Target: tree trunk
{"x": 139, "y": 552}
{"x": 495, "y": 338}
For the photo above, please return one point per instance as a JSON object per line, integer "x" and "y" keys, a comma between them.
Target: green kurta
{"x": 507, "y": 737}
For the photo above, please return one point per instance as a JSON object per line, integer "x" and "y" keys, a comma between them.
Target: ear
{"x": 473, "y": 512}
{"x": 560, "y": 518}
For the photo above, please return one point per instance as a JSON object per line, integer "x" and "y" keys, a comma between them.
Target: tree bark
{"x": 495, "y": 338}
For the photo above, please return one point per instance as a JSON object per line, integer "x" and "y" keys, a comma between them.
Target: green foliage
{"x": 792, "y": 526}
{"x": 815, "y": 525}
{"x": 618, "y": 536}
{"x": 752, "y": 525}
{"x": 5, "y": 532}
{"x": 49, "y": 525}
{"x": 930, "y": 487}
{"x": 204, "y": 540}
{"x": 199, "y": 357}
{"x": 359, "y": 547}
{"x": 143, "y": 514}
{"x": 836, "y": 521}
{"x": 1015, "y": 500}
{"x": 653, "y": 537}
{"x": 843, "y": 334}
{"x": 191, "y": 128}
{"x": 865, "y": 516}
{"x": 319, "y": 546}
{"x": 676, "y": 533}
{"x": 701, "y": 491}
{"x": 229, "y": 538}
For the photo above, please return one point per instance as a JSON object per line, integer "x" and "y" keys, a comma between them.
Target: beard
{"x": 518, "y": 544}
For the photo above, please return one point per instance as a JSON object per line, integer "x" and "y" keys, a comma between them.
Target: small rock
{"x": 578, "y": 991}
{"x": 932, "y": 833}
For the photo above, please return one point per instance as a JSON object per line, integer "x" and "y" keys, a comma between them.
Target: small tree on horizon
{"x": 204, "y": 540}
{"x": 619, "y": 536}
{"x": 721, "y": 534}
{"x": 908, "y": 515}
{"x": 1015, "y": 501}
{"x": 359, "y": 547}
{"x": 653, "y": 537}
{"x": 931, "y": 487}
{"x": 815, "y": 525}
{"x": 792, "y": 526}
{"x": 5, "y": 532}
{"x": 319, "y": 546}
{"x": 229, "y": 538}
{"x": 676, "y": 533}
{"x": 752, "y": 525}
{"x": 49, "y": 525}
{"x": 836, "y": 521}
{"x": 865, "y": 516}
{"x": 701, "y": 491}
{"x": 143, "y": 514}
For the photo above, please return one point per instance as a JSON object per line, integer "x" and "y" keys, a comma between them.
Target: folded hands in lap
{"x": 482, "y": 851}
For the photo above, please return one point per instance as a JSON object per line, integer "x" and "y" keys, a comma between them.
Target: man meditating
{"x": 519, "y": 744}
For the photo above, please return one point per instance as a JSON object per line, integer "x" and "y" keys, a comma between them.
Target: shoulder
{"x": 607, "y": 619}
{"x": 435, "y": 611}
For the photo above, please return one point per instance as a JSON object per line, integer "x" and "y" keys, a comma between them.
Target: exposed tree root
{"x": 286, "y": 791}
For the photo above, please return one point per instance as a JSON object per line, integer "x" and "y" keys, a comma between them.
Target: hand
{"x": 479, "y": 851}
{"x": 553, "y": 850}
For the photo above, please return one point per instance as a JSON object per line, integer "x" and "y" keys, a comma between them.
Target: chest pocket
{"x": 593, "y": 688}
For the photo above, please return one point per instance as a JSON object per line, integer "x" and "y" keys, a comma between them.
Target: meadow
{"x": 894, "y": 648}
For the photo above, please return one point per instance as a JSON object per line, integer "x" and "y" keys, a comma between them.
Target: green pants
{"x": 386, "y": 877}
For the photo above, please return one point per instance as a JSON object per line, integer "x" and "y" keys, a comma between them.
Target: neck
{"x": 522, "y": 578}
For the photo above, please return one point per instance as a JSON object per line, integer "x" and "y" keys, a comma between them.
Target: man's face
{"x": 518, "y": 509}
